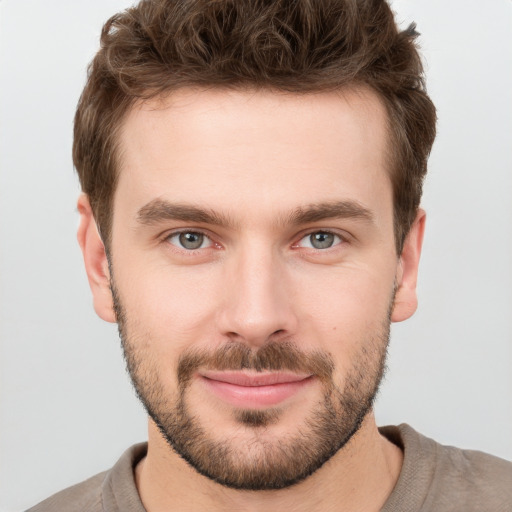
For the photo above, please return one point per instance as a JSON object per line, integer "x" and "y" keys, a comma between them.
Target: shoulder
{"x": 477, "y": 480}
{"x": 445, "y": 478}
{"x": 476, "y": 468}
{"x": 111, "y": 491}
{"x": 85, "y": 496}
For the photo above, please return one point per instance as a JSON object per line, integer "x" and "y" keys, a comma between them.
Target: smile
{"x": 254, "y": 390}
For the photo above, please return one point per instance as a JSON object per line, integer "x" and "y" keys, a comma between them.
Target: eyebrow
{"x": 331, "y": 210}
{"x": 160, "y": 210}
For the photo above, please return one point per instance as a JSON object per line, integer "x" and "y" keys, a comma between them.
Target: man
{"x": 252, "y": 173}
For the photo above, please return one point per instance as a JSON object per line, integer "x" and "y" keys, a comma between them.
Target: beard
{"x": 261, "y": 461}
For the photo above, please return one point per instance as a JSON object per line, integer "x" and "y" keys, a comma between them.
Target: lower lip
{"x": 255, "y": 397}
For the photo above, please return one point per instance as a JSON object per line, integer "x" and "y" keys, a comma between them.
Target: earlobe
{"x": 95, "y": 260}
{"x": 406, "y": 300}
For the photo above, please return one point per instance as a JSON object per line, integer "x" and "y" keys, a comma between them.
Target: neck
{"x": 359, "y": 477}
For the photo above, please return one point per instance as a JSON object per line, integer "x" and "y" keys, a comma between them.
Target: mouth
{"x": 254, "y": 390}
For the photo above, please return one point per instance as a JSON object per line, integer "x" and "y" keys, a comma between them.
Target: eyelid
{"x": 165, "y": 238}
{"x": 344, "y": 238}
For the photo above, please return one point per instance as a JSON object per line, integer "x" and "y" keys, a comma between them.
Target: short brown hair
{"x": 296, "y": 46}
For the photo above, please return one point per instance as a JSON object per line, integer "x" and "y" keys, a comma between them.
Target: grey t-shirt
{"x": 434, "y": 478}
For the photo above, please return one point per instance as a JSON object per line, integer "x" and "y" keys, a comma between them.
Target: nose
{"x": 257, "y": 305}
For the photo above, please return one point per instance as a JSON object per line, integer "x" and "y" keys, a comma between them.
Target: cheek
{"x": 346, "y": 298}
{"x": 346, "y": 314}
{"x": 173, "y": 307}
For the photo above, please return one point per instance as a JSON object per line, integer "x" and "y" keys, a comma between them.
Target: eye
{"x": 320, "y": 240}
{"x": 189, "y": 240}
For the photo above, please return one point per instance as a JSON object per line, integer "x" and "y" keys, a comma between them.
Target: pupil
{"x": 322, "y": 240}
{"x": 191, "y": 240}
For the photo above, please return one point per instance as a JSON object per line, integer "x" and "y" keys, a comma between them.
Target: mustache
{"x": 274, "y": 356}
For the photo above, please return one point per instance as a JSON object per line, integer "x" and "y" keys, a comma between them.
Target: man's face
{"x": 254, "y": 269}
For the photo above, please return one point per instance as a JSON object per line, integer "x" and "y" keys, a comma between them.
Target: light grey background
{"x": 67, "y": 409}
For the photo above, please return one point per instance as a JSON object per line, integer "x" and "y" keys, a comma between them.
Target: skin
{"x": 255, "y": 158}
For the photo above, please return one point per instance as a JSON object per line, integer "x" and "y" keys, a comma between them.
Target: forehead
{"x": 229, "y": 149}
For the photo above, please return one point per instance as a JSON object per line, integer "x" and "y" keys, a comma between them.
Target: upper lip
{"x": 252, "y": 378}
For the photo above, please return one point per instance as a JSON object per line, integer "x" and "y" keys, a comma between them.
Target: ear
{"x": 95, "y": 259}
{"x": 406, "y": 300}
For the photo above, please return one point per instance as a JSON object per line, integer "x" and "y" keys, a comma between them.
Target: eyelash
{"x": 169, "y": 236}
{"x": 342, "y": 239}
